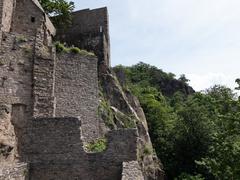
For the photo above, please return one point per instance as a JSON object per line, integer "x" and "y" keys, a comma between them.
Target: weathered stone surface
{"x": 54, "y": 148}
{"x": 89, "y": 32}
{"x": 132, "y": 171}
{"x": 14, "y": 172}
{"x": 76, "y": 91}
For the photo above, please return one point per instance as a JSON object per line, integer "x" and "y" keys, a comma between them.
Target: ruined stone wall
{"x": 16, "y": 66}
{"x": 90, "y": 31}
{"x": 131, "y": 171}
{"x": 14, "y": 172}
{"x": 76, "y": 91}
{"x": 27, "y": 17}
{"x": 43, "y": 78}
{"x": 54, "y": 148}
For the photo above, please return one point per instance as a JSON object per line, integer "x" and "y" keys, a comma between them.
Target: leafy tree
{"x": 223, "y": 158}
{"x": 59, "y": 10}
{"x": 196, "y": 136}
{"x": 238, "y": 83}
{"x": 183, "y": 78}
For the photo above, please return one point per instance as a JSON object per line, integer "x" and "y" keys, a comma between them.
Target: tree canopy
{"x": 59, "y": 10}
{"x": 197, "y": 135}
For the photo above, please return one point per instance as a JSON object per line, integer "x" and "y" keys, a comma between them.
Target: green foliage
{"x": 146, "y": 75}
{"x": 60, "y": 47}
{"x": 97, "y": 146}
{"x": 196, "y": 136}
{"x": 185, "y": 176}
{"x": 60, "y": 10}
{"x": 147, "y": 150}
{"x": 126, "y": 120}
{"x": 106, "y": 114}
{"x": 238, "y": 83}
{"x": 183, "y": 78}
{"x": 74, "y": 50}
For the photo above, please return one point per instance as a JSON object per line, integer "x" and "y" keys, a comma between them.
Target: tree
{"x": 238, "y": 83}
{"x": 183, "y": 78}
{"x": 59, "y": 10}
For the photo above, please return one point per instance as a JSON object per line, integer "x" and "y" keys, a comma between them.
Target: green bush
{"x": 75, "y": 50}
{"x": 147, "y": 150}
{"x": 185, "y": 176}
{"x": 60, "y": 47}
{"x": 99, "y": 145}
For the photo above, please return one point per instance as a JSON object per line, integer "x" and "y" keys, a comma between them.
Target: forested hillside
{"x": 195, "y": 134}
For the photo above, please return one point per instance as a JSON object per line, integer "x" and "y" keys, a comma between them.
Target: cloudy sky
{"x": 199, "y": 38}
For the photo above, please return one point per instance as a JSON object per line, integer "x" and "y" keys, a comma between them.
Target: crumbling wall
{"x": 76, "y": 91}
{"x": 90, "y": 31}
{"x": 132, "y": 171}
{"x": 15, "y": 84}
{"x": 43, "y": 78}
{"x": 54, "y": 148}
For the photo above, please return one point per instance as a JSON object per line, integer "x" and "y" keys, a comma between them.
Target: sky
{"x": 198, "y": 38}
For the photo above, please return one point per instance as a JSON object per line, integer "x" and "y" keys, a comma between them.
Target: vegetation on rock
{"x": 99, "y": 145}
{"x": 74, "y": 50}
{"x": 196, "y": 135}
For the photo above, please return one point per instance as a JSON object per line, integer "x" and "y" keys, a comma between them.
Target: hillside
{"x": 195, "y": 134}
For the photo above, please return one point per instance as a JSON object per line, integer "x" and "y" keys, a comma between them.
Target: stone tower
{"x": 89, "y": 32}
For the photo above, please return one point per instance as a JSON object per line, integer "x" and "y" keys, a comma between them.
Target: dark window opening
{"x": 33, "y": 19}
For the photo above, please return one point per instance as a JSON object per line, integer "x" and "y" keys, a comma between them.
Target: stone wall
{"x": 132, "y": 171}
{"x": 76, "y": 91}
{"x": 43, "y": 79}
{"x": 27, "y": 18}
{"x": 16, "y": 66}
{"x": 90, "y": 31}
{"x": 14, "y": 172}
{"x": 54, "y": 148}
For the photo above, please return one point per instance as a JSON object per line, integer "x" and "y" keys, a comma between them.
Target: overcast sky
{"x": 199, "y": 38}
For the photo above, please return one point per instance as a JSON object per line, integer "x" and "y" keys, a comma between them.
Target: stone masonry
{"x": 89, "y": 32}
{"x": 49, "y": 100}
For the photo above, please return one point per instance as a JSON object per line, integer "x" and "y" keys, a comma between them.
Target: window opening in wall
{"x": 33, "y": 19}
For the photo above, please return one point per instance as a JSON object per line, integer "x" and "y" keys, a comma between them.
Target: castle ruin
{"x": 49, "y": 100}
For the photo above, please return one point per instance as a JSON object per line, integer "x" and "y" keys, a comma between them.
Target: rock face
{"x": 52, "y": 104}
{"x": 122, "y": 101}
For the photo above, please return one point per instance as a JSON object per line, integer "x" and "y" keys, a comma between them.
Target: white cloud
{"x": 202, "y": 81}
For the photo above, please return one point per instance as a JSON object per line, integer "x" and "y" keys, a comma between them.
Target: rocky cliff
{"x": 119, "y": 108}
